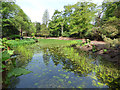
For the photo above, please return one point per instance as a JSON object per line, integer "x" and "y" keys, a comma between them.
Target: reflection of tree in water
{"x": 109, "y": 76}
{"x": 46, "y": 56}
{"x": 68, "y": 64}
{"x": 55, "y": 59}
{"x": 105, "y": 73}
{"x": 115, "y": 83}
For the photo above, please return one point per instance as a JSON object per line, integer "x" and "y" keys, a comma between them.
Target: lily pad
{"x": 58, "y": 70}
{"x": 67, "y": 77}
{"x": 64, "y": 75}
{"x": 79, "y": 87}
{"x": 36, "y": 74}
{"x": 39, "y": 76}
{"x": 80, "y": 79}
{"x": 61, "y": 80}
{"x": 65, "y": 71}
{"x": 69, "y": 82}
{"x": 54, "y": 76}
{"x": 36, "y": 84}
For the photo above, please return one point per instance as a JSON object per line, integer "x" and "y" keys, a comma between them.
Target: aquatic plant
{"x": 80, "y": 63}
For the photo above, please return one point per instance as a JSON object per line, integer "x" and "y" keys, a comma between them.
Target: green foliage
{"x": 111, "y": 42}
{"x": 5, "y": 53}
{"x": 44, "y": 30}
{"x": 79, "y": 21}
{"x": 4, "y": 40}
{"x": 109, "y": 30}
{"x": 32, "y": 28}
{"x": 24, "y": 52}
{"x": 15, "y": 43}
{"x": 58, "y": 25}
{"x": 17, "y": 39}
{"x": 73, "y": 20}
{"x": 14, "y": 20}
{"x": 33, "y": 34}
{"x": 17, "y": 72}
{"x": 38, "y": 27}
{"x": 102, "y": 74}
{"x": 105, "y": 50}
{"x": 110, "y": 20}
{"x": 14, "y": 36}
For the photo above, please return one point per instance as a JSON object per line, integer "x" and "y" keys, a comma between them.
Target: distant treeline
{"x": 81, "y": 20}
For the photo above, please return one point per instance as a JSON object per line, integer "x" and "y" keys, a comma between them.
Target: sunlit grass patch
{"x": 56, "y": 43}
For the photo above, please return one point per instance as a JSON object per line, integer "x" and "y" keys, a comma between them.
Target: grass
{"x": 56, "y": 43}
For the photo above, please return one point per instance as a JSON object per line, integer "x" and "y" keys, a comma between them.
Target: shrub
{"x": 33, "y": 34}
{"x": 4, "y": 39}
{"x": 111, "y": 42}
{"x": 109, "y": 30}
{"x": 14, "y": 36}
{"x": 16, "y": 39}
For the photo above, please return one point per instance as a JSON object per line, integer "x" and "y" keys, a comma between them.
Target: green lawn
{"x": 56, "y": 43}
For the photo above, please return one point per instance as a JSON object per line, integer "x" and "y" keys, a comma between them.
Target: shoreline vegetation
{"x": 83, "y": 26}
{"x": 13, "y": 47}
{"x": 102, "y": 48}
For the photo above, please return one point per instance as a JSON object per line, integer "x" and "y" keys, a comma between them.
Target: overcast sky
{"x": 35, "y": 8}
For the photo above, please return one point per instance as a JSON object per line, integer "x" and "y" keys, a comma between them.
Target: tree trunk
{"x": 61, "y": 30}
{"x": 21, "y": 32}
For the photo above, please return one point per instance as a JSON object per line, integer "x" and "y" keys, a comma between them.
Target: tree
{"x": 111, "y": 19}
{"x": 57, "y": 25}
{"x": 14, "y": 20}
{"x": 74, "y": 20}
{"x": 45, "y": 17}
{"x": 80, "y": 19}
{"x": 38, "y": 27}
{"x": 32, "y": 28}
{"x": 21, "y": 21}
{"x": 8, "y": 13}
{"x": 54, "y": 25}
{"x": 44, "y": 30}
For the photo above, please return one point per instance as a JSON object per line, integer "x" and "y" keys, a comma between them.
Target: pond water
{"x": 53, "y": 69}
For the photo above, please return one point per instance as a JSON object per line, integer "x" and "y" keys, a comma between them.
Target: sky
{"x": 35, "y": 8}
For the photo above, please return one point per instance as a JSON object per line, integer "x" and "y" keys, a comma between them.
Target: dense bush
{"x": 111, "y": 42}
{"x": 15, "y": 43}
{"x": 14, "y": 36}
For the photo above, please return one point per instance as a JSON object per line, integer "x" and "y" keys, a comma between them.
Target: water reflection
{"x": 46, "y": 56}
{"x": 107, "y": 74}
{"x": 66, "y": 67}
